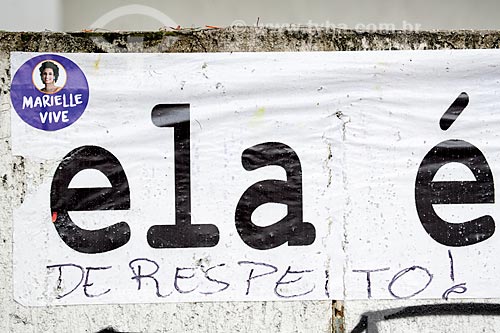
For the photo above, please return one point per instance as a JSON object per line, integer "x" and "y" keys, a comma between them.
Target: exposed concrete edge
{"x": 247, "y": 39}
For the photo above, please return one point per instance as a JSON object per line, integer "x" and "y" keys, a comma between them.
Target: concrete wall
{"x": 325, "y": 316}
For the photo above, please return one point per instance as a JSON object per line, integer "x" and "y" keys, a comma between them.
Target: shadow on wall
{"x": 369, "y": 320}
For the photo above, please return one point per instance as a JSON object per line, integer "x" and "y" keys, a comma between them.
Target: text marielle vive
{"x": 49, "y": 104}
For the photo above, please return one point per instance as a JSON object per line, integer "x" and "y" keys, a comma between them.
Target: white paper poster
{"x": 256, "y": 176}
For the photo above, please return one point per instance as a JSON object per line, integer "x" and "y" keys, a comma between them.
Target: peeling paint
{"x": 338, "y": 322}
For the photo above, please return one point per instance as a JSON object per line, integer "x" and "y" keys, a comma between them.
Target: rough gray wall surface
{"x": 199, "y": 317}
{"x": 247, "y": 39}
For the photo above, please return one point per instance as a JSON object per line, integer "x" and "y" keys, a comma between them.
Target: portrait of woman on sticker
{"x": 49, "y": 74}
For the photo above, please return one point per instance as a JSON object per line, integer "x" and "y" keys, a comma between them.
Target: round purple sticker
{"x": 49, "y": 92}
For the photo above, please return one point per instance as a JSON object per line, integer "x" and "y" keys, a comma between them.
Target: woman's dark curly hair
{"x": 50, "y": 64}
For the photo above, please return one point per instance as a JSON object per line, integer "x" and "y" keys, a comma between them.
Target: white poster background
{"x": 234, "y": 105}
{"x": 360, "y": 122}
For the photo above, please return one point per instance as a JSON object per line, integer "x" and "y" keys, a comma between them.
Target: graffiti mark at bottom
{"x": 369, "y": 320}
